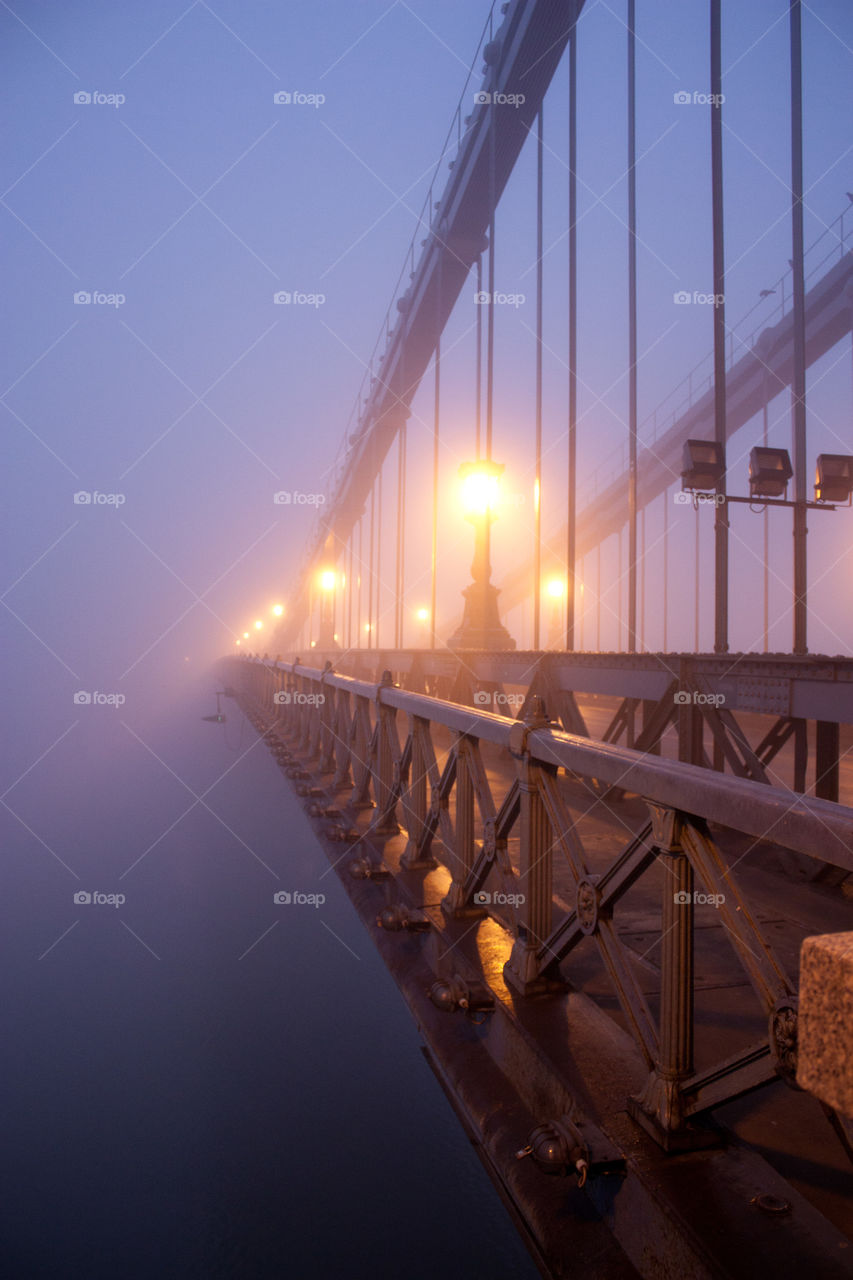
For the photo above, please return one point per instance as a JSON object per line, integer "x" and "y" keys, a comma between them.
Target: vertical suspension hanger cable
{"x": 401, "y": 518}
{"x": 696, "y": 586}
{"x": 665, "y": 566}
{"x": 598, "y": 604}
{"x": 401, "y": 533}
{"x": 378, "y": 552}
{"x": 798, "y": 378}
{"x": 632, "y": 337}
{"x": 490, "y": 324}
{"x": 766, "y": 627}
{"x": 537, "y": 483}
{"x": 478, "y": 399}
{"x": 573, "y": 347}
{"x": 370, "y": 567}
{"x": 721, "y": 519}
{"x": 641, "y": 637}
{"x": 360, "y": 576}
{"x": 436, "y": 419}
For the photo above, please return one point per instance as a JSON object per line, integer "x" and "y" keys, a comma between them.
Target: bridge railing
{"x": 351, "y": 730}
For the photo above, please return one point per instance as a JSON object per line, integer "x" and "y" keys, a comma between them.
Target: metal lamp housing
{"x": 833, "y": 477}
{"x": 769, "y": 472}
{"x": 702, "y": 464}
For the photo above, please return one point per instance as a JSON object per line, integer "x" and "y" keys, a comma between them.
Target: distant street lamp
{"x": 481, "y": 627}
{"x": 326, "y": 638}
{"x": 422, "y": 616}
{"x": 556, "y": 591}
{"x": 278, "y": 610}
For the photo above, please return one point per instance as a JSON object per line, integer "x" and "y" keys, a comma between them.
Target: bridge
{"x": 613, "y": 887}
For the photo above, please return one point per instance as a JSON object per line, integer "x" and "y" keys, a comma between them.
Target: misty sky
{"x": 155, "y": 199}
{"x": 185, "y": 197}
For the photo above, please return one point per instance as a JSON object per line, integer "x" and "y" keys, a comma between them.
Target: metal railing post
{"x": 416, "y": 803}
{"x": 660, "y": 1107}
{"x": 463, "y": 852}
{"x": 534, "y": 914}
{"x": 387, "y": 783}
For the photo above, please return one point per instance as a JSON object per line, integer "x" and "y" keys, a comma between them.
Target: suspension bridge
{"x": 614, "y": 887}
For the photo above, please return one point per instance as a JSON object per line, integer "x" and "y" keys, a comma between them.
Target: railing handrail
{"x": 755, "y": 809}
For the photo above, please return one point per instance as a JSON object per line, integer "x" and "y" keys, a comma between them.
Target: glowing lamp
{"x": 480, "y": 488}
{"x": 833, "y": 478}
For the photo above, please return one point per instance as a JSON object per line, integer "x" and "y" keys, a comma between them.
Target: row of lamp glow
{"x": 277, "y": 611}
{"x": 480, "y": 493}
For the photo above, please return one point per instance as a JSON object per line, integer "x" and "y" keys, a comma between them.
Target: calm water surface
{"x": 198, "y": 1082}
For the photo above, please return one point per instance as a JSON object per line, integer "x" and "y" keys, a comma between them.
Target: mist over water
{"x": 198, "y": 1081}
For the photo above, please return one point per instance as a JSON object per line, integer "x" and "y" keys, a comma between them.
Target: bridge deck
{"x": 764, "y": 1173}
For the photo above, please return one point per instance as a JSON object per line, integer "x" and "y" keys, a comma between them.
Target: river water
{"x": 197, "y": 1081}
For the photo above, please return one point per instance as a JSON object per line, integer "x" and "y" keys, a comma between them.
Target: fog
{"x": 156, "y": 396}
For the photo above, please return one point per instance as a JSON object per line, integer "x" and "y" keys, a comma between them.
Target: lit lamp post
{"x": 422, "y": 616}
{"x": 556, "y": 590}
{"x": 326, "y": 635}
{"x": 481, "y": 627}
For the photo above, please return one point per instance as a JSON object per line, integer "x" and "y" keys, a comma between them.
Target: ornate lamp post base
{"x": 481, "y": 627}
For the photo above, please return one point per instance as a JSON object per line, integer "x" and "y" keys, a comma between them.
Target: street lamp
{"x": 326, "y": 638}
{"x": 833, "y": 478}
{"x": 277, "y": 610}
{"x": 422, "y": 616}
{"x": 481, "y": 627}
{"x": 555, "y": 588}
